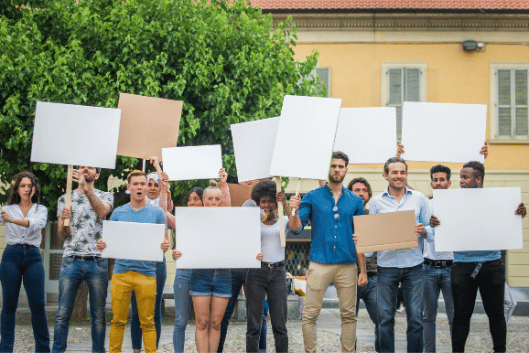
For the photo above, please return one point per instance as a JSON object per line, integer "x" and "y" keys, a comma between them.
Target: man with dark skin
{"x": 478, "y": 269}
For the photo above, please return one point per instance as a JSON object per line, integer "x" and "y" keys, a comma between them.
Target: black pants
{"x": 491, "y": 283}
{"x": 271, "y": 282}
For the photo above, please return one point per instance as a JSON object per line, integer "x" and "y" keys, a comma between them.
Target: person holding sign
{"x": 82, "y": 259}
{"x": 333, "y": 254}
{"x": 268, "y": 280}
{"x": 478, "y": 269}
{"x": 401, "y": 265}
{"x": 133, "y": 275}
{"x": 24, "y": 219}
{"x": 154, "y": 189}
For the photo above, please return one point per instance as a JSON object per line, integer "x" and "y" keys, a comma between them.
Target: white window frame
{"x": 384, "y": 79}
{"x": 493, "y": 108}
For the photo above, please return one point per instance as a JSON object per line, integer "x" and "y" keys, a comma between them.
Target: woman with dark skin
{"x": 21, "y": 262}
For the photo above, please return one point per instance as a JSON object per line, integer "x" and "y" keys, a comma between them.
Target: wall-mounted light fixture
{"x": 472, "y": 45}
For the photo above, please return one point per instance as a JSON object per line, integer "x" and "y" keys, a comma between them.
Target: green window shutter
{"x": 324, "y": 75}
{"x": 395, "y": 94}
{"x": 521, "y": 101}
{"x": 504, "y": 102}
{"x": 413, "y": 80}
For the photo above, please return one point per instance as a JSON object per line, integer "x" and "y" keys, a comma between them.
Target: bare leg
{"x": 202, "y": 306}
{"x": 218, "y": 307}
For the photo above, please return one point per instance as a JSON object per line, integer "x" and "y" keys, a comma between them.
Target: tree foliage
{"x": 222, "y": 58}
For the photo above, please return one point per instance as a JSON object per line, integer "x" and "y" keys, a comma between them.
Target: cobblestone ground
{"x": 328, "y": 337}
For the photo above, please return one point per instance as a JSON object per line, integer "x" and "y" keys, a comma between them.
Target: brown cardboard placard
{"x": 239, "y": 193}
{"x": 147, "y": 125}
{"x": 386, "y": 231}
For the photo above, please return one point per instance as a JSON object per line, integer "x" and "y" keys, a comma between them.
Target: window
{"x": 324, "y": 75}
{"x": 401, "y": 82}
{"x": 512, "y": 103}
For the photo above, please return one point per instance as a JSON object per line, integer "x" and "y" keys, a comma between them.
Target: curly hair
{"x": 262, "y": 189}
{"x": 440, "y": 169}
{"x": 363, "y": 181}
{"x": 14, "y": 197}
{"x": 479, "y": 169}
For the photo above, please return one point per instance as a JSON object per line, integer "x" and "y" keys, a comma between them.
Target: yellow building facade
{"x": 360, "y": 53}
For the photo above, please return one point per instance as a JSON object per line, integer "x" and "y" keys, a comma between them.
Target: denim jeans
{"x": 73, "y": 272}
{"x": 412, "y": 279}
{"x": 491, "y": 283}
{"x": 23, "y": 262}
{"x": 182, "y": 305}
{"x": 272, "y": 283}
{"x": 135, "y": 330}
{"x": 238, "y": 279}
{"x": 436, "y": 279}
{"x": 368, "y": 294}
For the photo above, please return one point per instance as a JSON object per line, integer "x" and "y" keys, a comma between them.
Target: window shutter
{"x": 521, "y": 102}
{"x": 413, "y": 79}
{"x": 324, "y": 74}
{"x": 395, "y": 96}
{"x": 504, "y": 102}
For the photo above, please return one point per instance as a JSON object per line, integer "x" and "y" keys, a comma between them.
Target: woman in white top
{"x": 24, "y": 219}
{"x": 270, "y": 279}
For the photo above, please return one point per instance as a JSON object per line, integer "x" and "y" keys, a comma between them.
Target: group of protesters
{"x": 334, "y": 258}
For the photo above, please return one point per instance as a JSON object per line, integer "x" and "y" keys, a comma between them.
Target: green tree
{"x": 222, "y": 58}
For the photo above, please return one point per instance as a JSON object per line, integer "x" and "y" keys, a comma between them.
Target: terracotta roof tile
{"x": 392, "y": 4}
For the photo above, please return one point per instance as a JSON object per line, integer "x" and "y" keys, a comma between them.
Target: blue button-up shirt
{"x": 331, "y": 224}
{"x": 412, "y": 200}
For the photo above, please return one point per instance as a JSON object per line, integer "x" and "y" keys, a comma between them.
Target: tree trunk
{"x": 81, "y": 303}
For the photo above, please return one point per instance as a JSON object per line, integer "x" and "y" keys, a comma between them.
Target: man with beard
{"x": 478, "y": 269}
{"x": 81, "y": 259}
{"x": 401, "y": 265}
{"x": 333, "y": 255}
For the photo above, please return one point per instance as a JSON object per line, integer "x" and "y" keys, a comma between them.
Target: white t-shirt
{"x": 271, "y": 242}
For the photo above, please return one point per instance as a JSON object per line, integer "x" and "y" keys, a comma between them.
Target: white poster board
{"x": 477, "y": 219}
{"x": 253, "y": 145}
{"x": 305, "y": 137}
{"x": 367, "y": 135}
{"x": 193, "y": 162}
{"x": 443, "y": 132}
{"x": 218, "y": 237}
{"x": 75, "y": 135}
{"x": 133, "y": 241}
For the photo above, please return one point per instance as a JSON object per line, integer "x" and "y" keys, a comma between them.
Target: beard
{"x": 336, "y": 179}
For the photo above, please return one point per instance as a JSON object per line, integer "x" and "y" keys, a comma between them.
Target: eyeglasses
{"x": 336, "y": 214}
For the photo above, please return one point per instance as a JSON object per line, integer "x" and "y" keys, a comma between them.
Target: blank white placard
{"x": 133, "y": 241}
{"x": 367, "y": 135}
{"x": 253, "y": 145}
{"x": 477, "y": 219}
{"x": 443, "y": 132}
{"x": 218, "y": 237}
{"x": 75, "y": 135}
{"x": 193, "y": 162}
{"x": 305, "y": 137}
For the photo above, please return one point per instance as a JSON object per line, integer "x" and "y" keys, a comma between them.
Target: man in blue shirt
{"x": 132, "y": 275}
{"x": 401, "y": 265}
{"x": 478, "y": 269}
{"x": 333, "y": 255}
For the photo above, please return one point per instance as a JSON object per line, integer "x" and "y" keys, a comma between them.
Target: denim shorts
{"x": 207, "y": 282}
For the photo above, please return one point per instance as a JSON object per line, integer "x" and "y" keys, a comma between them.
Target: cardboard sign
{"x": 305, "y": 137}
{"x": 478, "y": 219}
{"x": 253, "y": 145}
{"x": 147, "y": 125}
{"x": 75, "y": 135}
{"x": 218, "y": 237}
{"x": 443, "y": 132}
{"x": 133, "y": 241}
{"x": 239, "y": 194}
{"x": 386, "y": 231}
{"x": 192, "y": 162}
{"x": 367, "y": 135}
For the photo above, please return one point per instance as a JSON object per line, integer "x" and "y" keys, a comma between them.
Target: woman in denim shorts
{"x": 270, "y": 279}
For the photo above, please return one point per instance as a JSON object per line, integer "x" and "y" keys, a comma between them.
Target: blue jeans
{"x": 436, "y": 279}
{"x": 23, "y": 263}
{"x": 412, "y": 290}
{"x": 214, "y": 282}
{"x": 73, "y": 272}
{"x": 368, "y": 294}
{"x": 135, "y": 329}
{"x": 238, "y": 279}
{"x": 182, "y": 305}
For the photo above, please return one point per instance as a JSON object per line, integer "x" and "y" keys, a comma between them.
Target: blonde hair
{"x": 134, "y": 173}
{"x": 212, "y": 187}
